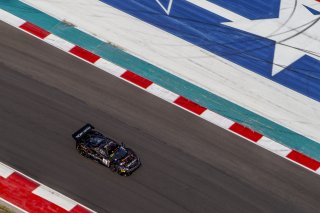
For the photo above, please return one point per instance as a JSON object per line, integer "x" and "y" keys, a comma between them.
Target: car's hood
{"x": 128, "y": 161}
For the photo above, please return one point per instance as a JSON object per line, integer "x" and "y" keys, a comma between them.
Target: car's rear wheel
{"x": 82, "y": 150}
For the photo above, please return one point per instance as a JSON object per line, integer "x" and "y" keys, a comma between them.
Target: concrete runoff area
{"x": 189, "y": 165}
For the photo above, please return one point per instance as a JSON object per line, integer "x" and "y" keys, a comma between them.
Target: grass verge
{"x": 4, "y": 209}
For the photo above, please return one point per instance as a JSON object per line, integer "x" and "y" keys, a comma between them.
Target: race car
{"x": 94, "y": 145}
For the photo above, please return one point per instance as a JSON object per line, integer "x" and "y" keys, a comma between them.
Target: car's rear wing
{"x": 82, "y": 131}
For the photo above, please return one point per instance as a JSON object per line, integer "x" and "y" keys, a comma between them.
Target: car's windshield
{"x": 96, "y": 141}
{"x": 119, "y": 153}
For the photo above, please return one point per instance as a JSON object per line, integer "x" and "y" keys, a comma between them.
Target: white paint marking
{"x": 273, "y": 146}
{"x": 318, "y": 171}
{"x": 11, "y": 19}
{"x": 5, "y": 171}
{"x": 109, "y": 67}
{"x": 167, "y": 9}
{"x": 218, "y": 10}
{"x": 55, "y": 197}
{"x": 162, "y": 93}
{"x": 59, "y": 42}
{"x": 217, "y": 119}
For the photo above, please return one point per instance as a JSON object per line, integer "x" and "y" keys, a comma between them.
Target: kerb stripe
{"x": 190, "y": 105}
{"x": 34, "y": 30}
{"x": 136, "y": 79}
{"x": 84, "y": 54}
{"x": 246, "y": 132}
{"x": 304, "y": 160}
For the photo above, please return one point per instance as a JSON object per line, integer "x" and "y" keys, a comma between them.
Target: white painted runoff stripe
{"x": 162, "y": 93}
{"x": 274, "y": 147}
{"x": 147, "y": 85}
{"x": 54, "y": 197}
{"x": 217, "y": 119}
{"x": 204, "y": 4}
{"x": 58, "y": 42}
{"x": 5, "y": 171}
{"x": 109, "y": 67}
{"x": 11, "y": 19}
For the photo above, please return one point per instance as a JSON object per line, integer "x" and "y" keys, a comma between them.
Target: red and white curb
{"x": 31, "y": 196}
{"x": 149, "y": 86}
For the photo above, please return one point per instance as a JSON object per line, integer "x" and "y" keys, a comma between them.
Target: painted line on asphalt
{"x": 216, "y": 9}
{"x": 180, "y": 101}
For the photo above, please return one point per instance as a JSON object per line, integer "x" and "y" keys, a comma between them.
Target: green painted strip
{"x": 165, "y": 79}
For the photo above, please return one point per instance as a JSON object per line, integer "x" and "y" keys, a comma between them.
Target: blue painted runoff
{"x": 313, "y": 11}
{"x": 206, "y": 30}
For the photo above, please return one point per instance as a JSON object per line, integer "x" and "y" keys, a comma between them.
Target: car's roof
{"x": 96, "y": 139}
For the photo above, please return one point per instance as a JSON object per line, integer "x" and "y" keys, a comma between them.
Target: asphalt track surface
{"x": 189, "y": 165}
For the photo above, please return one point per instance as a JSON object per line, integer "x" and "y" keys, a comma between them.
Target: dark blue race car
{"x": 92, "y": 144}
